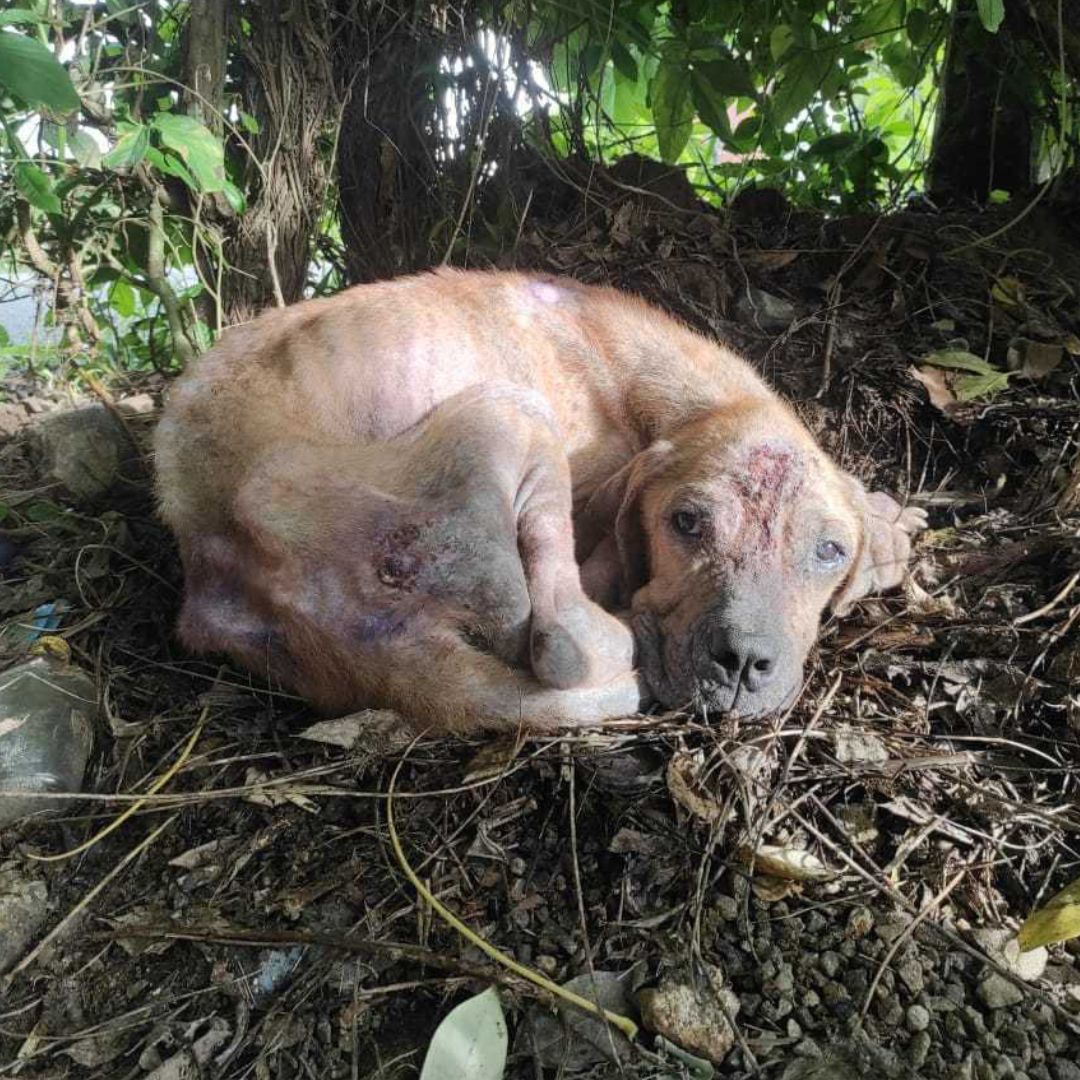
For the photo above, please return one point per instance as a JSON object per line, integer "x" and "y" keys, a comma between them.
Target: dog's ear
{"x": 884, "y": 546}
{"x": 617, "y": 501}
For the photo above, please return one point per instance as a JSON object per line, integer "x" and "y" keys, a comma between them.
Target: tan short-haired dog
{"x": 428, "y": 494}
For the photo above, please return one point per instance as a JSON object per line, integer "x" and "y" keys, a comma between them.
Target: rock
{"x": 728, "y": 908}
{"x": 764, "y": 311}
{"x": 917, "y": 1018}
{"x": 997, "y": 992}
{"x": 22, "y": 912}
{"x": 136, "y": 405}
{"x": 12, "y": 418}
{"x": 911, "y": 975}
{"x": 1002, "y": 946}
{"x": 919, "y": 1048}
{"x": 829, "y": 963}
{"x": 1064, "y": 1070}
{"x": 81, "y": 450}
{"x": 693, "y": 1017}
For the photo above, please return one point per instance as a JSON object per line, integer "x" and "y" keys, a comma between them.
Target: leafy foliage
{"x": 127, "y": 187}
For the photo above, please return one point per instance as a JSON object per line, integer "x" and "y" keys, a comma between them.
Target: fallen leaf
{"x": 769, "y": 260}
{"x": 974, "y": 378}
{"x": 1008, "y": 292}
{"x": 470, "y": 1044}
{"x": 1034, "y": 359}
{"x": 687, "y": 788}
{"x": 771, "y": 890}
{"x": 789, "y": 863}
{"x": 1057, "y": 920}
{"x": 937, "y": 388}
{"x": 493, "y": 759}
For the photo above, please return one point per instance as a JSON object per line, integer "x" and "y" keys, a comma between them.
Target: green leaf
{"x": 235, "y": 197}
{"x": 729, "y": 77}
{"x": 86, "y": 150}
{"x": 711, "y": 105}
{"x": 197, "y": 147}
{"x": 672, "y": 109}
{"x": 470, "y": 1044}
{"x": 780, "y": 40}
{"x": 122, "y": 298}
{"x": 801, "y": 78}
{"x": 991, "y": 14}
{"x": 250, "y": 124}
{"x": 31, "y": 72}
{"x": 35, "y": 187}
{"x": 919, "y": 26}
{"x": 832, "y": 145}
{"x": 171, "y": 165}
{"x": 19, "y": 17}
{"x": 982, "y": 380}
{"x": 959, "y": 360}
{"x": 624, "y": 61}
{"x": 1057, "y": 920}
{"x": 130, "y": 148}
{"x": 970, "y": 387}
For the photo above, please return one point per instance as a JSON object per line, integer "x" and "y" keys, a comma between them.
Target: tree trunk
{"x": 983, "y": 139}
{"x": 205, "y": 52}
{"x": 288, "y": 87}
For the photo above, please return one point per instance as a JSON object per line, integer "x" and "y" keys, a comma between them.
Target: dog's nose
{"x": 746, "y": 660}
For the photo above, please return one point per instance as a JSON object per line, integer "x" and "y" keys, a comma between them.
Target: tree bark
{"x": 289, "y": 88}
{"x": 983, "y": 139}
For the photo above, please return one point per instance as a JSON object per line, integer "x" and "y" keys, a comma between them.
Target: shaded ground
{"x": 931, "y": 765}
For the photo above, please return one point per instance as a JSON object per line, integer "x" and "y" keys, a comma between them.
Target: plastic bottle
{"x": 47, "y": 712}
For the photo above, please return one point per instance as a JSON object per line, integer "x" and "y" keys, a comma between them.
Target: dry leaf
{"x": 1008, "y": 292}
{"x": 791, "y": 864}
{"x": 769, "y": 260}
{"x": 493, "y": 759}
{"x": 937, "y": 387}
{"x": 687, "y": 789}
{"x": 1057, "y": 920}
{"x": 1034, "y": 359}
{"x": 274, "y": 796}
{"x": 771, "y": 890}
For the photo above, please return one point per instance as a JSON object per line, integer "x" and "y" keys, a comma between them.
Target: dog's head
{"x": 735, "y": 533}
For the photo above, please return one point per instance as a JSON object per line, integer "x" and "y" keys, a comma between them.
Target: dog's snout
{"x": 750, "y": 661}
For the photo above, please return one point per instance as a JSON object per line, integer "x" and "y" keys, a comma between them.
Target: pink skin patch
{"x": 545, "y": 292}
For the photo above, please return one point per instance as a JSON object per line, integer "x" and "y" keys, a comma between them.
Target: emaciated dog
{"x": 431, "y": 494}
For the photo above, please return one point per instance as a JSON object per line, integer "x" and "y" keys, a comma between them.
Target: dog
{"x": 488, "y": 500}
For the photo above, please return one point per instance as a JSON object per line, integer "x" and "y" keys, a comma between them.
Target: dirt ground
{"x": 251, "y": 917}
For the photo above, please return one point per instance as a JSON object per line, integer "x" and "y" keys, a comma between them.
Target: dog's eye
{"x": 830, "y": 554}
{"x": 686, "y": 522}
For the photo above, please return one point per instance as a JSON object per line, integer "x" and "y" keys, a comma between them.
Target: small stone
{"x": 136, "y": 405}
{"x": 860, "y": 922}
{"x": 1002, "y": 946}
{"x": 919, "y": 1048}
{"x": 22, "y": 912}
{"x": 81, "y": 450}
{"x": 1064, "y": 1070}
{"x": 997, "y": 992}
{"x": 547, "y": 964}
{"x": 727, "y": 907}
{"x": 829, "y": 962}
{"x": 808, "y": 1049}
{"x": 691, "y": 1017}
{"x": 917, "y": 1018}
{"x": 911, "y": 975}
{"x": 763, "y": 310}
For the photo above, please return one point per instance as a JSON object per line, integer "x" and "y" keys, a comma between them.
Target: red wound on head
{"x": 771, "y": 474}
